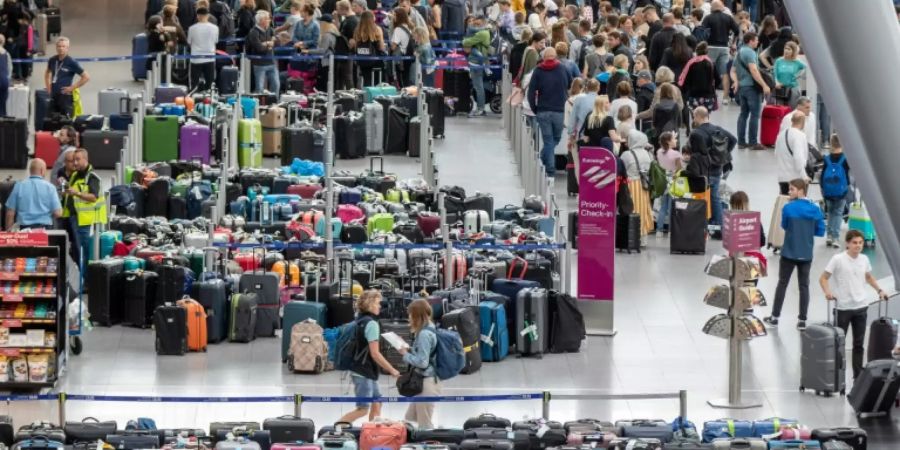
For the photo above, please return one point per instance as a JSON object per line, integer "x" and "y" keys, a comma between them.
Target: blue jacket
{"x": 307, "y": 34}
{"x": 549, "y": 87}
{"x": 420, "y": 355}
{"x": 802, "y": 221}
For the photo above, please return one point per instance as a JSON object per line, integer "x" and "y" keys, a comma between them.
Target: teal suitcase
{"x": 295, "y": 312}
{"x": 382, "y": 89}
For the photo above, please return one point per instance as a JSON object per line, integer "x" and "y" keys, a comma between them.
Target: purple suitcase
{"x": 195, "y": 143}
{"x": 167, "y": 93}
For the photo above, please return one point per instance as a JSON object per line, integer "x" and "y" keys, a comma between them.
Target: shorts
{"x": 364, "y": 387}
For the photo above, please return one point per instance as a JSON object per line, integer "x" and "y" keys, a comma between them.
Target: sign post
{"x": 597, "y": 238}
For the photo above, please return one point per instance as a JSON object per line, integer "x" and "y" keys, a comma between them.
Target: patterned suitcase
{"x": 295, "y": 312}
{"x": 195, "y": 143}
{"x": 373, "y": 114}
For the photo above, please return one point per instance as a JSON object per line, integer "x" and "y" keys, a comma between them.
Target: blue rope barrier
{"x": 28, "y": 398}
{"x": 167, "y": 399}
{"x": 276, "y": 399}
{"x": 422, "y": 399}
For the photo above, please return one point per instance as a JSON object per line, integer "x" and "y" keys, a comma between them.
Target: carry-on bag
{"x": 160, "y": 138}
{"x": 134, "y": 440}
{"x": 822, "y": 360}
{"x": 290, "y": 429}
{"x": 726, "y": 428}
{"x": 139, "y": 297}
{"x": 196, "y": 324}
{"x": 195, "y": 142}
{"x": 382, "y": 434}
{"x": 465, "y": 322}
{"x": 855, "y": 438}
{"x": 770, "y": 123}
{"x": 687, "y": 226}
{"x": 882, "y": 336}
{"x": 532, "y": 315}
{"x": 628, "y": 232}
{"x": 88, "y": 429}
{"x": 170, "y": 324}
{"x": 242, "y": 326}
{"x": 646, "y": 429}
{"x": 105, "y": 306}
{"x": 875, "y": 389}
{"x": 215, "y": 428}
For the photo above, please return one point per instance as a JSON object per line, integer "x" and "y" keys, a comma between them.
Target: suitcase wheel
{"x": 75, "y": 345}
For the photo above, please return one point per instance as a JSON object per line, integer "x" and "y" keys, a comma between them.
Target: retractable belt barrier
{"x": 299, "y": 399}
{"x": 437, "y": 246}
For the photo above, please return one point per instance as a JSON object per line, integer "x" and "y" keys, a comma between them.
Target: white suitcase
{"x": 775, "y": 234}
{"x": 18, "y": 104}
{"x": 373, "y": 113}
{"x": 474, "y": 220}
{"x": 109, "y": 101}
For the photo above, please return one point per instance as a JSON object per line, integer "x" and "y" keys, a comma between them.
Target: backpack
{"x": 225, "y": 19}
{"x": 719, "y": 150}
{"x": 449, "y": 356}
{"x": 700, "y": 33}
{"x": 834, "y": 179}
{"x": 586, "y": 45}
{"x": 348, "y": 353}
{"x": 411, "y": 45}
{"x": 308, "y": 351}
{"x": 658, "y": 181}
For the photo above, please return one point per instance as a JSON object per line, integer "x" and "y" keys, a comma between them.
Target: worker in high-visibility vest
{"x": 84, "y": 205}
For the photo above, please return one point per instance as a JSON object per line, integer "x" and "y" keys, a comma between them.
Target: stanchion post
{"x": 545, "y": 406}
{"x": 329, "y": 165}
{"x": 505, "y": 90}
{"x": 448, "y": 245}
{"x": 61, "y": 404}
{"x": 221, "y": 200}
{"x": 298, "y": 405}
{"x": 682, "y": 405}
{"x": 124, "y": 154}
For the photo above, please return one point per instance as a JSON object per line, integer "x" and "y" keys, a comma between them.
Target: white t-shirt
{"x": 534, "y": 21}
{"x": 848, "y": 280}
{"x": 400, "y": 37}
{"x": 202, "y": 37}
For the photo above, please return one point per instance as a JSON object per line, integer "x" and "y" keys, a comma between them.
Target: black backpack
{"x": 225, "y": 19}
{"x": 586, "y": 44}
{"x": 719, "y": 150}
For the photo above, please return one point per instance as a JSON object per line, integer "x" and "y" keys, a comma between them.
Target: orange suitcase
{"x": 196, "y": 324}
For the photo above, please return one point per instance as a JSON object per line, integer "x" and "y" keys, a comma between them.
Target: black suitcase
{"x": 395, "y": 139}
{"x": 13, "y": 143}
{"x": 213, "y": 295}
{"x": 350, "y": 136}
{"x": 88, "y": 429}
{"x": 139, "y": 193}
{"x": 290, "y": 429}
{"x": 628, "y": 232}
{"x": 216, "y": 427}
{"x": 339, "y": 310}
{"x": 434, "y": 98}
{"x": 41, "y": 108}
{"x": 571, "y": 176}
{"x": 458, "y": 87}
{"x": 479, "y": 444}
{"x": 55, "y": 122}
{"x": 228, "y": 80}
{"x": 54, "y": 20}
{"x": 518, "y": 438}
{"x": 251, "y": 178}
{"x": 856, "y": 438}
{"x": 134, "y": 440}
{"x": 171, "y": 282}
{"x": 177, "y": 208}
{"x": 882, "y": 336}
{"x": 265, "y": 286}
{"x": 443, "y": 435}
{"x": 40, "y": 429}
{"x": 573, "y": 229}
{"x": 401, "y": 328}
{"x": 304, "y": 142}
{"x": 687, "y": 226}
{"x": 7, "y": 432}
{"x": 6, "y": 188}
{"x": 413, "y": 149}
{"x": 104, "y": 305}
{"x": 156, "y": 202}
{"x": 170, "y": 323}
{"x": 349, "y": 101}
{"x": 86, "y": 122}
{"x": 875, "y": 390}
{"x": 139, "y": 289}
{"x": 465, "y": 322}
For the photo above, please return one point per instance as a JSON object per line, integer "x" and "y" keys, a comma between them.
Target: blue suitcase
{"x": 727, "y": 428}
{"x": 296, "y": 312}
{"x": 510, "y": 288}
{"x": 331, "y": 336}
{"x": 139, "y": 46}
{"x": 798, "y": 444}
{"x": 771, "y": 425}
{"x": 213, "y": 295}
{"x": 494, "y": 331}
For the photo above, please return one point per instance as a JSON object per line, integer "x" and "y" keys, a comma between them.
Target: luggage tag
{"x": 487, "y": 338}
{"x": 531, "y": 329}
{"x": 542, "y": 430}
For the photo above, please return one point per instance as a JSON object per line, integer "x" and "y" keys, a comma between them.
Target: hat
{"x": 645, "y": 74}
{"x": 326, "y": 18}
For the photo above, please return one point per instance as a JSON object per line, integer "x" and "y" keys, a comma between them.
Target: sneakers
{"x": 478, "y": 113}
{"x": 835, "y": 244}
{"x": 801, "y": 325}
{"x": 725, "y": 101}
{"x": 829, "y": 243}
{"x": 771, "y": 321}
{"x": 757, "y": 147}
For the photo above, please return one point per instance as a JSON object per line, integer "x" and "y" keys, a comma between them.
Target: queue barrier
{"x": 299, "y": 399}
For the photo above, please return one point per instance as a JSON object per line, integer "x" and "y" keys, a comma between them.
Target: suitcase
{"x": 213, "y": 296}
{"x": 17, "y": 105}
{"x": 350, "y": 136}
{"x": 770, "y": 123}
{"x": 273, "y": 119}
{"x": 775, "y": 233}
{"x": 13, "y": 143}
{"x": 855, "y": 438}
{"x": 458, "y": 86}
{"x": 687, "y": 226}
{"x": 628, "y": 232}
{"x": 173, "y": 282}
{"x": 859, "y": 220}
{"x": 518, "y": 438}
{"x": 170, "y": 323}
{"x": 532, "y": 315}
{"x": 382, "y": 435}
{"x": 196, "y": 324}
{"x": 290, "y": 428}
{"x": 645, "y": 429}
{"x": 43, "y": 429}
{"x": 346, "y": 430}
{"x": 104, "y": 146}
{"x": 397, "y": 130}
{"x": 380, "y": 90}
{"x": 106, "y": 285}
{"x": 227, "y": 81}
{"x": 465, "y": 322}
{"x": 160, "y": 138}
{"x": 242, "y": 327}
{"x": 195, "y": 143}
{"x": 479, "y": 444}
{"x": 88, "y": 429}
{"x": 882, "y": 336}
{"x": 304, "y": 142}
{"x": 794, "y": 444}
{"x": 571, "y": 176}
{"x": 265, "y": 286}
{"x": 46, "y": 147}
{"x": 440, "y": 435}
{"x": 41, "y": 108}
{"x": 413, "y": 149}
{"x": 875, "y": 390}
{"x": 215, "y": 428}
{"x": 295, "y": 312}
{"x": 167, "y": 93}
{"x": 139, "y": 47}
{"x": 88, "y": 122}
{"x": 109, "y": 101}
{"x": 134, "y": 440}
{"x": 822, "y": 361}
{"x": 139, "y": 298}
{"x": 434, "y": 98}
{"x": 156, "y": 199}
{"x": 373, "y": 115}
{"x": 401, "y": 328}
{"x": 260, "y": 438}
{"x": 249, "y": 143}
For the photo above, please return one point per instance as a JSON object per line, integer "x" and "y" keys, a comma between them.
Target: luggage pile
{"x": 482, "y": 432}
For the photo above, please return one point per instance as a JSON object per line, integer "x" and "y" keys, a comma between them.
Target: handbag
{"x": 411, "y": 383}
{"x": 764, "y": 74}
{"x": 810, "y": 168}
{"x": 645, "y": 177}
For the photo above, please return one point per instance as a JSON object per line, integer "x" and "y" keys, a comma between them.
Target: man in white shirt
{"x": 202, "y": 37}
{"x": 804, "y": 105}
{"x": 849, "y": 273}
{"x": 791, "y": 152}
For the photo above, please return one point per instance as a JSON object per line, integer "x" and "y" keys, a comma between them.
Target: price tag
{"x": 9, "y": 276}
{"x": 9, "y": 352}
{"x": 13, "y": 298}
{"x": 11, "y": 323}
{"x": 26, "y": 239}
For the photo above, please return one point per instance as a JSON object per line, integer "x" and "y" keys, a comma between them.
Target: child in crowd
{"x": 669, "y": 158}
{"x": 835, "y": 187}
{"x": 425, "y": 54}
{"x": 519, "y": 26}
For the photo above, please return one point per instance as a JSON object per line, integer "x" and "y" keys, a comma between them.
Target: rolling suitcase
{"x": 46, "y": 147}
{"x": 195, "y": 143}
{"x": 295, "y": 312}
{"x": 628, "y": 232}
{"x": 373, "y": 115}
{"x": 13, "y": 143}
{"x": 170, "y": 323}
{"x": 571, "y": 176}
{"x": 687, "y": 226}
{"x": 458, "y": 86}
{"x": 227, "y": 80}
{"x": 304, "y": 142}
{"x": 41, "y": 108}
{"x": 401, "y": 328}
{"x": 139, "y": 289}
{"x": 104, "y": 146}
{"x": 133, "y": 439}
{"x": 290, "y": 428}
{"x": 483, "y": 444}
{"x": 242, "y": 326}
{"x": 397, "y": 130}
{"x": 106, "y": 286}
{"x": 173, "y": 282}
{"x": 413, "y": 149}
{"x": 250, "y": 143}
{"x": 532, "y": 315}
{"x": 882, "y": 336}
{"x": 875, "y": 390}
{"x": 775, "y": 233}
{"x": 41, "y": 36}
{"x": 196, "y": 324}
{"x": 495, "y": 331}
{"x": 213, "y": 296}
{"x": 350, "y": 136}
{"x": 216, "y": 428}
{"x": 465, "y": 322}
{"x": 86, "y": 122}
{"x": 109, "y": 101}
{"x": 272, "y": 119}
{"x": 434, "y": 98}
{"x": 160, "y": 138}
{"x": 770, "y": 123}
{"x": 856, "y": 438}
{"x": 265, "y": 286}
{"x": 822, "y": 361}
{"x": 17, "y": 103}
{"x": 88, "y": 429}
{"x": 139, "y": 47}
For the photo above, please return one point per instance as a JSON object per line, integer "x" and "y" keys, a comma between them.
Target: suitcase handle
{"x": 372, "y": 164}
{"x": 126, "y": 101}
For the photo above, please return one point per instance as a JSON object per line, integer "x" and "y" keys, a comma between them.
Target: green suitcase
{"x": 161, "y": 138}
{"x": 381, "y": 222}
{"x": 250, "y": 143}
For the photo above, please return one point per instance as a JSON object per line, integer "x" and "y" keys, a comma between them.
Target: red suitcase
{"x": 306, "y": 191}
{"x": 772, "y": 115}
{"x": 429, "y": 223}
{"x": 46, "y": 147}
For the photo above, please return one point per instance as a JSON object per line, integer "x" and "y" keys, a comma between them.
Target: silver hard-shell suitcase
{"x": 18, "y": 104}
{"x": 822, "y": 358}
{"x": 373, "y": 114}
{"x": 532, "y": 313}
{"x": 109, "y": 101}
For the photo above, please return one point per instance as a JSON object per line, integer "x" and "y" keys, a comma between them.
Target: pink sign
{"x": 740, "y": 231}
{"x": 596, "y": 223}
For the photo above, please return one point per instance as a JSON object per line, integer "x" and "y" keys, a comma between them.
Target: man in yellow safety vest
{"x": 83, "y": 206}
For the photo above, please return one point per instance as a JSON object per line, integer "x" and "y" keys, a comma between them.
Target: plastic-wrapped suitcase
{"x": 13, "y": 143}
{"x": 104, "y": 146}
{"x": 687, "y": 226}
{"x": 855, "y": 438}
{"x": 160, "y": 138}
{"x": 875, "y": 390}
{"x": 212, "y": 294}
{"x": 296, "y": 312}
{"x": 397, "y": 130}
{"x": 195, "y": 143}
{"x": 170, "y": 323}
{"x": 46, "y": 147}
{"x": 106, "y": 284}
{"x": 139, "y": 298}
{"x": 302, "y": 141}
{"x": 775, "y": 234}
{"x": 290, "y": 428}
{"x": 822, "y": 359}
{"x": 350, "y": 135}
{"x": 373, "y": 114}
{"x": 770, "y": 123}
{"x": 465, "y": 322}
{"x": 628, "y": 232}
{"x": 532, "y": 316}
{"x": 17, "y": 103}
{"x": 108, "y": 101}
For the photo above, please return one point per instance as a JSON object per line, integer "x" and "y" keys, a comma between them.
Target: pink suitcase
{"x": 306, "y": 191}
{"x": 349, "y": 213}
{"x": 194, "y": 143}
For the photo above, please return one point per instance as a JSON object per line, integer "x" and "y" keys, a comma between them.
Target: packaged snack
{"x": 37, "y": 368}
{"x": 4, "y": 336}
{"x": 50, "y": 339}
{"x": 19, "y": 369}
{"x": 4, "y": 369}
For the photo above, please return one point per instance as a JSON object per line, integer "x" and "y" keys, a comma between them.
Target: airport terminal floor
{"x": 659, "y": 311}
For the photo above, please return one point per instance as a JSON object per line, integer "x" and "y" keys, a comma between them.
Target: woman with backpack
{"x": 368, "y": 40}
{"x": 420, "y": 357}
{"x": 364, "y": 373}
{"x": 637, "y": 159}
{"x": 402, "y": 44}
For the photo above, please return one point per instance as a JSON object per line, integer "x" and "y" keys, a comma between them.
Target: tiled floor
{"x": 659, "y": 311}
